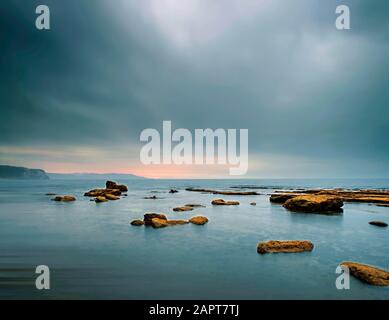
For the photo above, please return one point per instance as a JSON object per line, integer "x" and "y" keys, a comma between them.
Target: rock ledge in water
{"x": 378, "y": 224}
{"x": 65, "y": 198}
{"x": 221, "y": 202}
{"x": 284, "y": 246}
{"x": 314, "y": 204}
{"x": 368, "y": 274}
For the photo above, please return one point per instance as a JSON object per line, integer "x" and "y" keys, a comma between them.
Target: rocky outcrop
{"x": 199, "y": 220}
{"x": 114, "y": 185}
{"x": 150, "y": 216}
{"x": 64, "y": 198}
{"x": 314, "y": 204}
{"x": 284, "y": 246}
{"x": 378, "y": 224}
{"x": 368, "y": 274}
{"x": 184, "y": 208}
{"x": 102, "y": 192}
{"x": 236, "y": 193}
{"x": 363, "y": 196}
{"x": 137, "y": 222}
{"x": 221, "y": 202}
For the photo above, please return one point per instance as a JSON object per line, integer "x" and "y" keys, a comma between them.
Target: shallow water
{"x": 93, "y": 252}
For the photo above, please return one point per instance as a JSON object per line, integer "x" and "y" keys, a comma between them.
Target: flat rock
{"x": 314, "y": 204}
{"x": 221, "y": 202}
{"x": 282, "y": 198}
{"x": 100, "y": 199}
{"x": 66, "y": 198}
{"x": 111, "y": 197}
{"x": 253, "y": 203}
{"x": 368, "y": 274}
{"x": 194, "y": 205}
{"x": 284, "y": 246}
{"x": 378, "y": 223}
{"x": 102, "y": 192}
{"x": 237, "y": 193}
{"x": 184, "y": 208}
{"x": 199, "y": 220}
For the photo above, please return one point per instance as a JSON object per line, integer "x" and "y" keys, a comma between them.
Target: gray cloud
{"x": 107, "y": 70}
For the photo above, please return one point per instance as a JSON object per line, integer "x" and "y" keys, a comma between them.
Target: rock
{"x": 100, "y": 199}
{"x": 177, "y": 222}
{"x": 150, "y": 216}
{"x": 284, "y": 246}
{"x": 64, "y": 198}
{"x": 282, "y": 198}
{"x": 221, "y": 202}
{"x": 111, "y": 197}
{"x": 137, "y": 222}
{"x": 253, "y": 203}
{"x": 173, "y": 191}
{"x": 378, "y": 223}
{"x": 195, "y": 205}
{"x": 180, "y": 209}
{"x": 199, "y": 220}
{"x": 368, "y": 274}
{"x": 236, "y": 193}
{"x": 114, "y": 185}
{"x": 158, "y": 223}
{"x": 383, "y": 205}
{"x": 50, "y": 194}
{"x": 102, "y": 192}
{"x": 314, "y": 204}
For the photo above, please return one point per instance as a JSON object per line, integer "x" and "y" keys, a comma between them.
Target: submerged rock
{"x": 236, "y": 193}
{"x": 177, "y": 222}
{"x": 253, "y": 203}
{"x": 185, "y": 208}
{"x": 199, "y": 220}
{"x": 195, "y": 205}
{"x": 221, "y": 202}
{"x": 368, "y": 274}
{"x": 282, "y": 198}
{"x": 150, "y": 198}
{"x": 284, "y": 246}
{"x": 314, "y": 204}
{"x": 102, "y": 192}
{"x": 50, "y": 194}
{"x": 173, "y": 191}
{"x": 137, "y": 222}
{"x": 65, "y": 198}
{"x": 378, "y": 223}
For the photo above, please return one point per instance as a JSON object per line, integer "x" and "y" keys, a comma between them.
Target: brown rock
{"x": 150, "y": 216}
{"x": 253, "y": 203}
{"x": 100, "y": 199}
{"x": 221, "y": 202}
{"x": 158, "y": 223}
{"x": 65, "y": 198}
{"x": 185, "y": 208}
{"x": 111, "y": 197}
{"x": 177, "y": 222}
{"x": 114, "y": 185}
{"x": 368, "y": 274}
{"x": 137, "y": 222}
{"x": 314, "y": 204}
{"x": 284, "y": 246}
{"x": 102, "y": 192}
{"x": 199, "y": 220}
{"x": 195, "y": 205}
{"x": 282, "y": 198}
{"x": 378, "y": 223}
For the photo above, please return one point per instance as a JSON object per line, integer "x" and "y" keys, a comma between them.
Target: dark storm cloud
{"x": 106, "y": 70}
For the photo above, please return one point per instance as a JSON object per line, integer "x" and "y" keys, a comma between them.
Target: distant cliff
{"x": 10, "y": 172}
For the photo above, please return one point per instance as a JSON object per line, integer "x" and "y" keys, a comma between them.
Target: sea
{"x": 93, "y": 252}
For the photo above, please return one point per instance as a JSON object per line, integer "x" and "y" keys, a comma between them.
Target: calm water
{"x": 93, "y": 252}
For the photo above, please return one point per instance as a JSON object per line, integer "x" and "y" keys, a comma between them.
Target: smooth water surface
{"x": 93, "y": 251}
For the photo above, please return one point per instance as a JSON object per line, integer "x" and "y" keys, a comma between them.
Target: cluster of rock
{"x": 157, "y": 220}
{"x": 112, "y": 191}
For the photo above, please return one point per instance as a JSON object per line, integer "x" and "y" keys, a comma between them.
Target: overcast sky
{"x": 315, "y": 99}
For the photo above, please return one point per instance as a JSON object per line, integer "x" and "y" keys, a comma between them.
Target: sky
{"x": 315, "y": 99}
